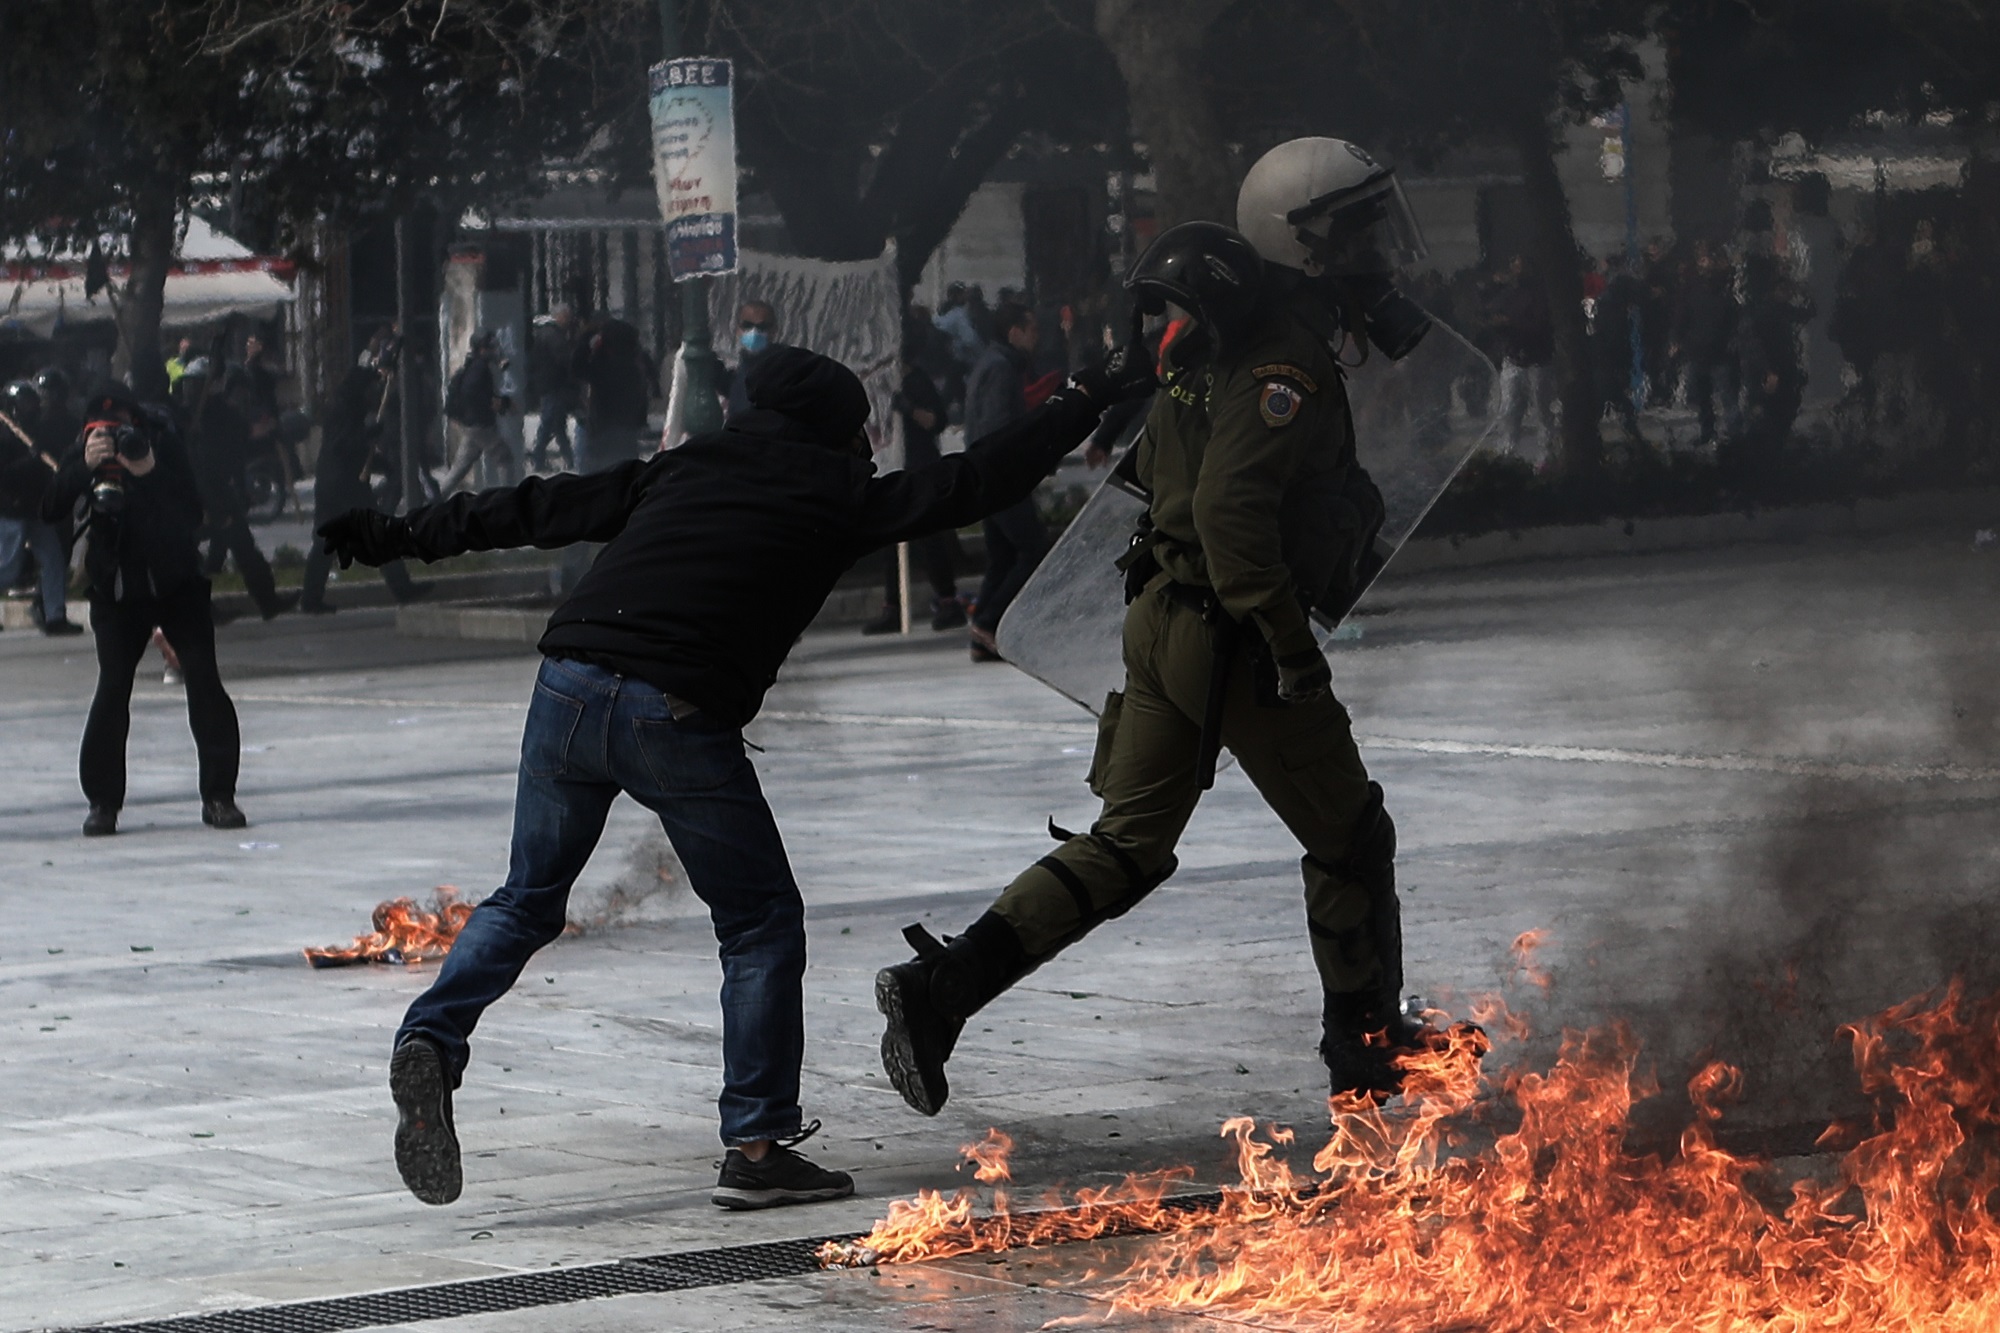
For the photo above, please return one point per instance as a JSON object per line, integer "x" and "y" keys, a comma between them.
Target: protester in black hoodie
{"x": 719, "y": 555}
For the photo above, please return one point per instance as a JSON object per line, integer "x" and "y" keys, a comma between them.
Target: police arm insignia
{"x": 1278, "y": 403}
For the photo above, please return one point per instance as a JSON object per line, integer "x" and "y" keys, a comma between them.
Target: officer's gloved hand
{"x": 1304, "y": 676}
{"x": 1125, "y": 372}
{"x": 367, "y": 535}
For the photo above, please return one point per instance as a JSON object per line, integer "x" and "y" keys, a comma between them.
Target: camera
{"x": 107, "y": 484}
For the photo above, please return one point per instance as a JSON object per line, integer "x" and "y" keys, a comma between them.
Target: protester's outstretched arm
{"x": 1007, "y": 465}
{"x": 546, "y": 512}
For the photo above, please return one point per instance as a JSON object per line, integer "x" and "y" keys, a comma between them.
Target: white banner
{"x": 850, "y": 311}
{"x": 694, "y": 163}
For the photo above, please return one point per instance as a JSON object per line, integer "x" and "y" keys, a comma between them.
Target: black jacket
{"x": 722, "y": 551}
{"x": 23, "y": 478}
{"x": 148, "y": 550}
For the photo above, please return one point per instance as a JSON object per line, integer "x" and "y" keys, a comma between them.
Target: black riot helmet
{"x": 54, "y": 387}
{"x": 1206, "y": 269}
{"x": 22, "y": 403}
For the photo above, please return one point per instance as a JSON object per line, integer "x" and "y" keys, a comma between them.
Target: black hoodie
{"x": 722, "y": 551}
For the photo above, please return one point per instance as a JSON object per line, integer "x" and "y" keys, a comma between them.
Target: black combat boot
{"x": 927, "y": 1000}
{"x": 1363, "y": 1034}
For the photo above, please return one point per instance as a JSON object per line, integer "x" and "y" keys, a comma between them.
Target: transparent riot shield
{"x": 1413, "y": 432}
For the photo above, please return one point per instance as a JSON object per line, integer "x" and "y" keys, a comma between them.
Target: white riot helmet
{"x": 1325, "y": 208}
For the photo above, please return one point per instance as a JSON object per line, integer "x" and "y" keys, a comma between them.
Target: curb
{"x": 1968, "y": 511}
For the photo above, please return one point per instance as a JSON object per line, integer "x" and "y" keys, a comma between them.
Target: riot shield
{"x": 1413, "y": 432}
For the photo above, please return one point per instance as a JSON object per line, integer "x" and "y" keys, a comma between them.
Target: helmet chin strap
{"x": 1337, "y": 294}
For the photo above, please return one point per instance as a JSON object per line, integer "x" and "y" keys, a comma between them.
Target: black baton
{"x": 1227, "y": 635}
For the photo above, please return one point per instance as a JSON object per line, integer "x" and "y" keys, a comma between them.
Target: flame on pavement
{"x": 1403, "y": 1227}
{"x": 403, "y": 932}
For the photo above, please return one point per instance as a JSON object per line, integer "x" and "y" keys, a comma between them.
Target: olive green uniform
{"x": 1240, "y": 452}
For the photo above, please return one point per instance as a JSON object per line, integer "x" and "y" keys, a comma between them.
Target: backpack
{"x": 454, "y": 394}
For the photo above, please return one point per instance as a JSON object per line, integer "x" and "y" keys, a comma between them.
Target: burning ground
{"x": 1513, "y": 1201}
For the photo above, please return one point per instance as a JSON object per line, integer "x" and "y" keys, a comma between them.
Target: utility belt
{"x": 1229, "y": 642}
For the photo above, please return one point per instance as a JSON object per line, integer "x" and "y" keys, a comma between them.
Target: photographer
{"x": 129, "y": 474}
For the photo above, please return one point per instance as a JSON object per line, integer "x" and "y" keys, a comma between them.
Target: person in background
{"x": 551, "y": 385}
{"x": 1527, "y": 343}
{"x": 1611, "y": 343}
{"x": 130, "y": 473}
{"x": 996, "y": 396}
{"x": 218, "y": 445}
{"x": 474, "y": 402}
{"x": 177, "y": 363}
{"x": 921, "y": 408}
{"x": 355, "y": 418}
{"x": 1704, "y": 337}
{"x": 25, "y": 470}
{"x": 756, "y": 336}
{"x": 955, "y": 321}
{"x": 612, "y": 371}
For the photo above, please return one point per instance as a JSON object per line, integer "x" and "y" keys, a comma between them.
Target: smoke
{"x": 1806, "y": 901}
{"x": 648, "y": 887}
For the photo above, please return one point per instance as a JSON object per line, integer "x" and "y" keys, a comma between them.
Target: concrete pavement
{"x": 1693, "y": 769}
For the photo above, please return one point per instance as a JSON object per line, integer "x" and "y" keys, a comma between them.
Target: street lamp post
{"x": 702, "y": 412}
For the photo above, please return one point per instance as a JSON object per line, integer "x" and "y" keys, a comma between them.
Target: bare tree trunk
{"x": 1558, "y": 261}
{"x": 140, "y": 305}
{"x": 1158, "y": 45}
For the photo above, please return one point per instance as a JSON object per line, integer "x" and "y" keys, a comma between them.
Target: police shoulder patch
{"x": 1286, "y": 370}
{"x": 1278, "y": 403}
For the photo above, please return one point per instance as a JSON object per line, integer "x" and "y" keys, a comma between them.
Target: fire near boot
{"x": 927, "y": 1000}
{"x": 1360, "y": 1043}
{"x": 1366, "y": 1029}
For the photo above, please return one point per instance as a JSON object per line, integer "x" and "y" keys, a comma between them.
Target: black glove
{"x": 367, "y": 535}
{"x": 1303, "y": 677}
{"x": 1126, "y": 372}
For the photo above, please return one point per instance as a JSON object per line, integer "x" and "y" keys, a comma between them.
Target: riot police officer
{"x": 1259, "y": 511}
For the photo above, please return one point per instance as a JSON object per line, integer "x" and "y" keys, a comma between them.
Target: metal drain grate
{"x": 515, "y": 1291}
{"x": 680, "y": 1271}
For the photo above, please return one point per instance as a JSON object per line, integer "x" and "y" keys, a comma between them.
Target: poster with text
{"x": 694, "y": 164}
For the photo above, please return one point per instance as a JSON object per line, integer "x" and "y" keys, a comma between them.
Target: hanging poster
{"x": 694, "y": 164}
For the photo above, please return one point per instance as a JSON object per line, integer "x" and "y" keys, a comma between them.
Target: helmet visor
{"x": 1366, "y": 228}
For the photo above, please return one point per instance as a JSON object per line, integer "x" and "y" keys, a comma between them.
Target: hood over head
{"x": 820, "y": 398}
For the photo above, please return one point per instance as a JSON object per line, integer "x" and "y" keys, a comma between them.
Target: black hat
{"x": 816, "y": 391}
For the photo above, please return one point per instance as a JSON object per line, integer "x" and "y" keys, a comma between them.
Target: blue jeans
{"x": 590, "y": 735}
{"x": 19, "y": 535}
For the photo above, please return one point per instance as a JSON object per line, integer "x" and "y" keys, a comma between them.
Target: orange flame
{"x": 1558, "y": 1224}
{"x": 404, "y": 932}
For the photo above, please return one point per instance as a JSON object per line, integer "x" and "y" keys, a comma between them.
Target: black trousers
{"x": 229, "y": 534}
{"x": 934, "y": 557}
{"x": 123, "y": 630}
{"x": 1016, "y": 541}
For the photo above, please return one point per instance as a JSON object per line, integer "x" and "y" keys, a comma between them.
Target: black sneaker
{"x": 61, "y": 627}
{"x": 781, "y": 1177}
{"x": 223, "y": 814}
{"x": 426, "y": 1143}
{"x": 101, "y": 822}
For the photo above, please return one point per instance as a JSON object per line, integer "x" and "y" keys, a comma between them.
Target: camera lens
{"x": 132, "y": 443}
